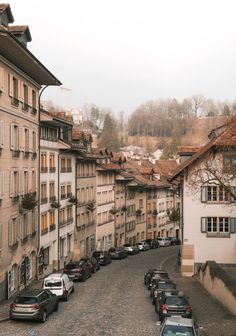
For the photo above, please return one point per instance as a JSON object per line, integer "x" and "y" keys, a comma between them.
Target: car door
{"x": 45, "y": 302}
{"x": 52, "y": 300}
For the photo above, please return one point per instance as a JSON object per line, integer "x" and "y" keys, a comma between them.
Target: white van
{"x": 163, "y": 241}
{"x": 59, "y": 284}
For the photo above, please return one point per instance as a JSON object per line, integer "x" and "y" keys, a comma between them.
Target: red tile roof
{"x": 226, "y": 139}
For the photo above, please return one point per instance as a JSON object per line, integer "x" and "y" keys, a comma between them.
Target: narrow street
{"x": 113, "y": 302}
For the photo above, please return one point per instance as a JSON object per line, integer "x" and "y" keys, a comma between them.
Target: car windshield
{"x": 165, "y": 285}
{"x": 177, "y": 331}
{"x": 53, "y": 283}
{"x": 71, "y": 266}
{"x": 26, "y": 300}
{"x": 97, "y": 254}
{"x": 176, "y": 301}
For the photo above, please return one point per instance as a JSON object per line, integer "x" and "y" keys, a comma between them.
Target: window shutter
{"x": 1, "y": 79}
{"x": 30, "y": 141}
{"x": 30, "y": 181}
{"x": 29, "y": 222}
{"x": 13, "y": 140}
{"x": 0, "y": 236}
{"x": 1, "y": 134}
{"x": 233, "y": 191}
{"x": 21, "y": 229}
{"x": 1, "y": 185}
{"x": 10, "y": 79}
{"x": 10, "y": 232}
{"x": 12, "y": 189}
{"x": 233, "y": 225}
{"x": 18, "y": 228}
{"x": 30, "y": 96}
{"x": 21, "y": 91}
{"x": 203, "y": 194}
{"x": 203, "y": 224}
{"x": 22, "y": 138}
{"x": 21, "y": 183}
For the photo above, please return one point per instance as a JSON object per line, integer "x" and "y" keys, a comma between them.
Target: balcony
{"x": 34, "y": 110}
{"x": 69, "y": 169}
{"x": 26, "y": 154}
{"x": 44, "y": 169}
{"x": 62, "y": 223}
{"x": 63, "y": 170}
{"x": 34, "y": 155}
{"x": 52, "y": 169}
{"x": 63, "y": 196}
{"x": 25, "y": 107}
{"x": 15, "y": 101}
{"x": 70, "y": 220}
{"x": 16, "y": 153}
{"x": 52, "y": 198}
{"x": 52, "y": 227}
{"x": 44, "y": 200}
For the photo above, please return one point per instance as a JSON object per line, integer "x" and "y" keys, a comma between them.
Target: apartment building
{"x": 86, "y": 214}
{"x": 57, "y": 188}
{"x": 106, "y": 211}
{"x": 21, "y": 77}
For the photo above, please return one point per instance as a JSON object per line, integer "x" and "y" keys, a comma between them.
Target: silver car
{"x": 177, "y": 325}
{"x": 163, "y": 241}
{"x": 143, "y": 246}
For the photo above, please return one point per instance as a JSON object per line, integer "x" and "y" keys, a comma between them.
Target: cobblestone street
{"x": 113, "y": 302}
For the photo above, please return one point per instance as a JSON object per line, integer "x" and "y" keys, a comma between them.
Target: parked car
{"x": 143, "y": 246}
{"x": 177, "y": 325}
{"x": 174, "y": 305}
{"x": 157, "y": 274}
{"x": 59, "y": 284}
{"x": 92, "y": 263}
{"x": 159, "y": 287}
{"x": 34, "y": 305}
{"x": 78, "y": 270}
{"x": 136, "y": 249}
{"x": 175, "y": 241}
{"x": 153, "y": 243}
{"x": 154, "y": 281}
{"x": 162, "y": 296}
{"x": 130, "y": 249}
{"x": 103, "y": 256}
{"x": 148, "y": 276}
{"x": 118, "y": 252}
{"x": 163, "y": 241}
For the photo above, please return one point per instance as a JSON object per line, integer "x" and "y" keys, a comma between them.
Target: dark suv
{"x": 34, "y": 305}
{"x": 78, "y": 270}
{"x": 92, "y": 263}
{"x": 153, "y": 243}
{"x": 103, "y": 256}
{"x": 174, "y": 305}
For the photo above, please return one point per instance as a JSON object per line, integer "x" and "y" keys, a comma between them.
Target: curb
{"x": 3, "y": 319}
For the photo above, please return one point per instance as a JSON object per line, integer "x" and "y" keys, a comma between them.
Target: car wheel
{"x": 67, "y": 297}
{"x": 56, "y": 307}
{"x": 73, "y": 289}
{"x": 44, "y": 316}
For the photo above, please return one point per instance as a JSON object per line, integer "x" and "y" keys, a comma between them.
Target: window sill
{"x": 218, "y": 235}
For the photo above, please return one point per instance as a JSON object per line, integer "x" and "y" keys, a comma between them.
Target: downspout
{"x": 58, "y": 196}
{"x": 125, "y": 211}
{"x": 39, "y": 167}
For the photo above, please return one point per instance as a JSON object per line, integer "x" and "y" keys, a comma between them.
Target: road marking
{"x": 165, "y": 260}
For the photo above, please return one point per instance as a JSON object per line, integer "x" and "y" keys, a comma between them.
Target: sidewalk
{"x": 5, "y": 305}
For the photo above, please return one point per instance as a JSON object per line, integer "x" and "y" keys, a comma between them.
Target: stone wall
{"x": 219, "y": 284}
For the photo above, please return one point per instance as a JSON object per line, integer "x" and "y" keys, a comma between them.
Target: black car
{"x": 118, "y": 252}
{"x": 163, "y": 294}
{"x": 174, "y": 305}
{"x": 158, "y": 275}
{"x": 34, "y": 305}
{"x": 153, "y": 243}
{"x": 161, "y": 286}
{"x": 103, "y": 257}
{"x": 92, "y": 263}
{"x": 175, "y": 241}
{"x": 148, "y": 276}
{"x": 78, "y": 270}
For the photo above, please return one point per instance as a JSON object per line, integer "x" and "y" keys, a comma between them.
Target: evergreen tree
{"x": 109, "y": 136}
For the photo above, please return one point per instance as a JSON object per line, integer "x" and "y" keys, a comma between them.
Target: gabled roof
{"x": 20, "y": 30}
{"x": 81, "y": 135}
{"x": 225, "y": 139}
{"x": 7, "y": 8}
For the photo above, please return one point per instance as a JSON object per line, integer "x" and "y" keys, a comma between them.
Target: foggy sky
{"x": 119, "y": 54}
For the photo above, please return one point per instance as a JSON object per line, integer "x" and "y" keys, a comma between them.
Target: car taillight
{"x": 79, "y": 269}
{"x": 164, "y": 308}
{"x": 13, "y": 305}
{"x": 35, "y": 306}
{"x": 65, "y": 270}
{"x": 189, "y": 309}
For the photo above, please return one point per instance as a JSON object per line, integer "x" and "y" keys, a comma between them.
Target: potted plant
{"x": 138, "y": 212}
{"x": 73, "y": 200}
{"x": 28, "y": 202}
{"x": 55, "y": 205}
{"x": 113, "y": 211}
{"x": 155, "y": 212}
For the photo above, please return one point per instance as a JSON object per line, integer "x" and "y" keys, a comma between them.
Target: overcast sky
{"x": 121, "y": 53}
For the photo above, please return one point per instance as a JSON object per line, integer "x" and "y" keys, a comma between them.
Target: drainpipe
{"x": 58, "y": 200}
{"x": 39, "y": 167}
{"x": 125, "y": 210}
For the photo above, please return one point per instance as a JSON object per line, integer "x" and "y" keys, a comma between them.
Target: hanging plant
{"x": 138, "y": 212}
{"x": 155, "y": 212}
{"x": 113, "y": 211}
{"x": 28, "y": 202}
{"x": 55, "y": 205}
{"x": 124, "y": 208}
{"x": 73, "y": 200}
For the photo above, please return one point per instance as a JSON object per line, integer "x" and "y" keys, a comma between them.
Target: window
{"x": 33, "y": 180}
{"x": 44, "y": 193}
{"x": 14, "y": 183}
{"x": 52, "y": 168}
{"x": 229, "y": 163}
{"x": 25, "y": 225}
{"x": 63, "y": 165}
{"x": 63, "y": 191}
{"x": 44, "y": 224}
{"x": 217, "y": 226}
{"x": 52, "y": 191}
{"x": 1, "y": 133}
{"x": 34, "y": 102}
{"x": 26, "y": 138}
{"x": 69, "y": 167}
{"x": 68, "y": 190}
{"x": 13, "y": 231}
{"x": 44, "y": 168}
{"x": 62, "y": 247}
{"x": 15, "y": 137}
{"x": 62, "y": 217}
{"x": 34, "y": 142}
{"x": 52, "y": 217}
{"x": 140, "y": 203}
{"x": 25, "y": 98}
{"x": 1, "y": 184}
{"x": 215, "y": 194}
{"x": 15, "y": 96}
{"x": 69, "y": 247}
{"x": 26, "y": 182}
{"x": 69, "y": 214}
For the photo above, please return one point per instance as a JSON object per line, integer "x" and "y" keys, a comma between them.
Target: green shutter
{"x": 233, "y": 225}
{"x": 203, "y": 224}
